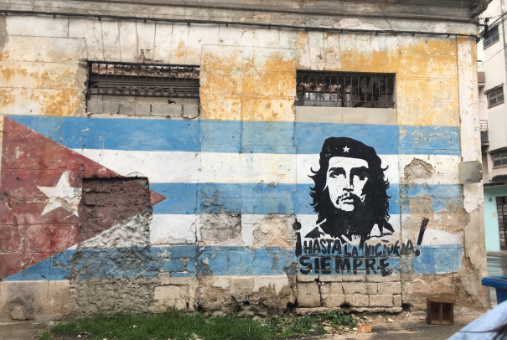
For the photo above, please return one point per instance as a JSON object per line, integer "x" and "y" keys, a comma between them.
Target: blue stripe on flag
{"x": 263, "y": 199}
{"x": 191, "y": 261}
{"x": 237, "y": 136}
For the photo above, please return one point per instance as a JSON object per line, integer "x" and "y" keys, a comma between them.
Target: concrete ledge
{"x": 346, "y": 115}
{"x": 320, "y": 310}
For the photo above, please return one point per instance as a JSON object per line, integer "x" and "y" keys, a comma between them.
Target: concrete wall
{"x": 230, "y": 221}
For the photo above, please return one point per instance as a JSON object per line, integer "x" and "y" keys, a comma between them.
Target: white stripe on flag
{"x": 207, "y": 167}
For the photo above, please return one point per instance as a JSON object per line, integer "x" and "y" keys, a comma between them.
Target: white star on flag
{"x": 346, "y": 149}
{"x": 62, "y": 196}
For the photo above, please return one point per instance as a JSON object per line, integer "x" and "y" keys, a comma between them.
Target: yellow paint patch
{"x": 428, "y": 113}
{"x": 7, "y": 97}
{"x": 59, "y": 103}
{"x": 428, "y": 66}
{"x": 8, "y": 73}
{"x": 277, "y": 63}
{"x": 179, "y": 52}
{"x": 224, "y": 58}
{"x": 425, "y": 68}
{"x": 221, "y": 82}
{"x": 302, "y": 40}
{"x": 261, "y": 108}
{"x": 348, "y": 53}
{"x": 218, "y": 107}
{"x": 435, "y": 46}
{"x": 278, "y": 84}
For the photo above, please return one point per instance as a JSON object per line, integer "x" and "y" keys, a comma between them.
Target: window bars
{"x": 143, "y": 80}
{"x": 344, "y": 89}
{"x": 495, "y": 97}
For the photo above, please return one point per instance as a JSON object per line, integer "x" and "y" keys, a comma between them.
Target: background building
{"x": 493, "y": 124}
{"x": 169, "y": 155}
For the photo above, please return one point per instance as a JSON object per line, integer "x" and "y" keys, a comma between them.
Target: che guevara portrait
{"x": 350, "y": 193}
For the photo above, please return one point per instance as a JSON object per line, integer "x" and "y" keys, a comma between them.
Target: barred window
{"x": 499, "y": 159}
{"x": 337, "y": 89}
{"x": 171, "y": 91}
{"x": 124, "y": 79}
{"x": 493, "y": 37}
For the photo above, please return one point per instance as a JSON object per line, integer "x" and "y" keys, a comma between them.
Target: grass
{"x": 179, "y": 326}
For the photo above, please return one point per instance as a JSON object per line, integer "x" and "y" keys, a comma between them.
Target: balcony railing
{"x": 484, "y": 133}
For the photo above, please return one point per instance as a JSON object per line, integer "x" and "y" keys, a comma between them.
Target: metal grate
{"x": 143, "y": 80}
{"x": 345, "y": 89}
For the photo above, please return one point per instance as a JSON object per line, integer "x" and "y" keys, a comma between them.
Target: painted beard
{"x": 360, "y": 221}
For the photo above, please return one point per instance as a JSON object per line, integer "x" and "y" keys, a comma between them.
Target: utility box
{"x": 440, "y": 311}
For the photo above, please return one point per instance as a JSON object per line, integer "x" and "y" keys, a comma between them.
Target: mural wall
{"x": 255, "y": 205}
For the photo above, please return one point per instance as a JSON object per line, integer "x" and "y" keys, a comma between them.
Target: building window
{"x": 499, "y": 159}
{"x": 143, "y": 89}
{"x": 492, "y": 37}
{"x": 495, "y": 97}
{"x": 336, "y": 89}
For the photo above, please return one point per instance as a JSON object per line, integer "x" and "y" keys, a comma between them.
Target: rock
{"x": 366, "y": 328}
{"x": 19, "y": 313}
{"x": 330, "y": 330}
{"x": 422, "y": 318}
{"x": 354, "y": 329}
{"x": 390, "y": 320}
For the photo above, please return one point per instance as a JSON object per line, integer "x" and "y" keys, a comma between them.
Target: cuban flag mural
{"x": 225, "y": 198}
{"x": 41, "y": 211}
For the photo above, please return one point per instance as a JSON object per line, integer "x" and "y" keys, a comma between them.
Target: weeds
{"x": 178, "y": 326}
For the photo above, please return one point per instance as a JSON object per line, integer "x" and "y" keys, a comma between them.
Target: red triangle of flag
{"x": 40, "y": 200}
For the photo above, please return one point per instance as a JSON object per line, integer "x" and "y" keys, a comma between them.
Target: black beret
{"x": 348, "y": 147}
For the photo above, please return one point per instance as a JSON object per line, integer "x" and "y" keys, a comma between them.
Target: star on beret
{"x": 346, "y": 149}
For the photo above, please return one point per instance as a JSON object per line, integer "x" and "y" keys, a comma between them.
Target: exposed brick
{"x": 242, "y": 287}
{"x": 371, "y": 288}
{"x": 182, "y": 274}
{"x": 111, "y": 107}
{"x": 38, "y": 238}
{"x": 173, "y": 265}
{"x": 332, "y": 294}
{"x": 379, "y": 278}
{"x": 306, "y": 278}
{"x": 172, "y": 110}
{"x": 330, "y": 278}
{"x": 183, "y": 251}
{"x": 357, "y": 300}
{"x": 331, "y": 288}
{"x": 397, "y": 300}
{"x": 143, "y": 109}
{"x": 191, "y": 111}
{"x": 360, "y": 276}
{"x": 381, "y": 301}
{"x": 95, "y": 106}
{"x": 333, "y": 300}
{"x": 63, "y": 237}
{"x": 10, "y": 241}
{"x": 127, "y": 108}
{"x": 190, "y": 265}
{"x": 389, "y": 287}
{"x": 351, "y": 288}
{"x": 308, "y": 295}
{"x": 170, "y": 293}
